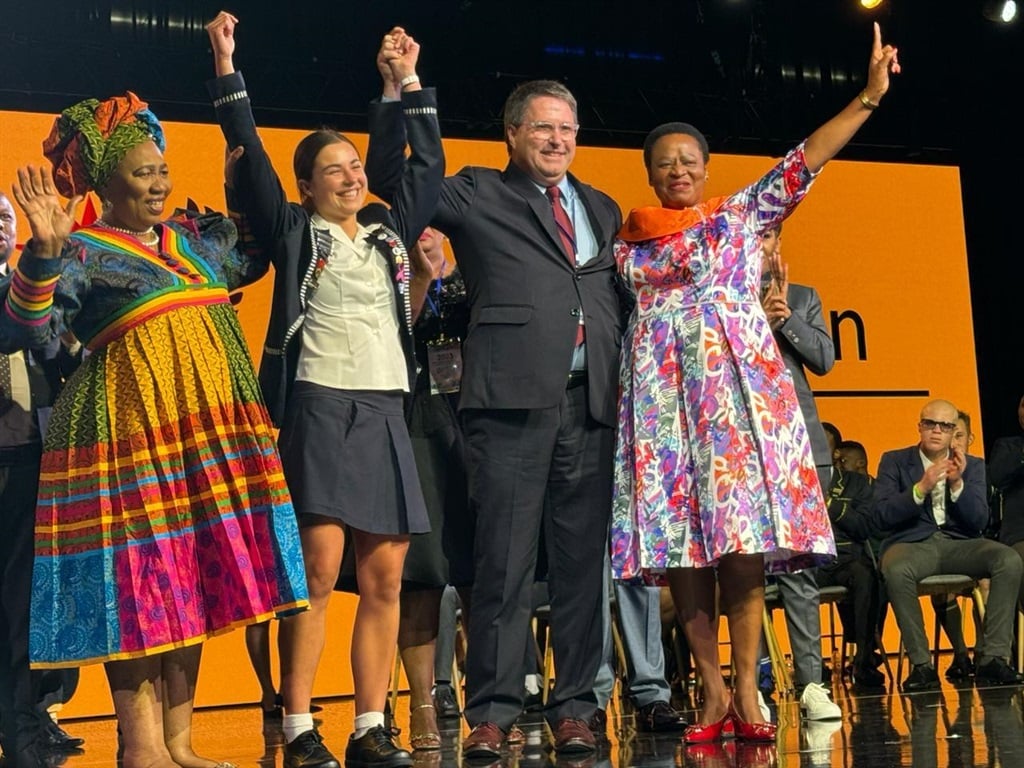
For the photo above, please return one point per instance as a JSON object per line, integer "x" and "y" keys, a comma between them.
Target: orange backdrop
{"x": 883, "y": 244}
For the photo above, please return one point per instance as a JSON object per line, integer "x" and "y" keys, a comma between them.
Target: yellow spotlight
{"x": 871, "y": 3}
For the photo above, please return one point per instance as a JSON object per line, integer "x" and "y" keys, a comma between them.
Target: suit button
{"x": 575, "y": 312}
{"x": 578, "y": 277}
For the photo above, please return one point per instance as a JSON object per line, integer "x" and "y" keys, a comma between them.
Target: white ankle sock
{"x": 532, "y": 684}
{"x": 365, "y": 722}
{"x": 296, "y": 725}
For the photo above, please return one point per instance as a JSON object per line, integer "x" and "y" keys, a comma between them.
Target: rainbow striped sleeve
{"x": 30, "y": 298}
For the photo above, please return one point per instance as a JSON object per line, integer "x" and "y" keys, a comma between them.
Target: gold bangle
{"x": 866, "y": 102}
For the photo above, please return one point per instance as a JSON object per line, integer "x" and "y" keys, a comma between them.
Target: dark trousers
{"x": 18, "y": 720}
{"x": 858, "y": 575}
{"x": 528, "y": 471}
{"x": 906, "y": 563}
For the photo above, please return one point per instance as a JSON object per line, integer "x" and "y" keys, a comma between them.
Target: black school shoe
{"x": 997, "y": 672}
{"x": 961, "y": 668}
{"x": 376, "y": 749}
{"x": 307, "y": 750}
{"x": 921, "y": 678}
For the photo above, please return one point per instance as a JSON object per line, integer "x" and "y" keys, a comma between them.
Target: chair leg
{"x": 621, "y": 670}
{"x": 396, "y": 675}
{"x": 783, "y": 683}
{"x": 885, "y": 656}
{"x": 549, "y": 664}
{"x": 457, "y": 684}
{"x": 1020, "y": 641}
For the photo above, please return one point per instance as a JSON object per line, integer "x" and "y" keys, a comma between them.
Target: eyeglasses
{"x": 545, "y": 130}
{"x": 928, "y": 425}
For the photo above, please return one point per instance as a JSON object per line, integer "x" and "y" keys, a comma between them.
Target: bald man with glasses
{"x": 934, "y": 504}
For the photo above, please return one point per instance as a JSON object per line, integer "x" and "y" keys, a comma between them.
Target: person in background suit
{"x": 798, "y": 324}
{"x": 1006, "y": 473}
{"x": 29, "y": 383}
{"x": 933, "y": 503}
{"x": 851, "y": 505}
{"x": 638, "y": 614}
{"x": 537, "y": 405}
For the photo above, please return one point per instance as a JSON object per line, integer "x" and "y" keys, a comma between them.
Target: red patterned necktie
{"x": 567, "y": 233}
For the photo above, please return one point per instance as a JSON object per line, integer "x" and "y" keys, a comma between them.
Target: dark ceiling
{"x": 755, "y": 75}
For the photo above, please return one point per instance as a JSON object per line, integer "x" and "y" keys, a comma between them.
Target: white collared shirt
{"x": 938, "y": 494}
{"x": 351, "y": 337}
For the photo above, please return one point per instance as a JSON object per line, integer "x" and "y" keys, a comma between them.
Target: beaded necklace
{"x": 147, "y": 237}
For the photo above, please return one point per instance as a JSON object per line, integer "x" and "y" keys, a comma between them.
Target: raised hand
{"x": 937, "y": 472}
{"x": 957, "y": 465}
{"x": 883, "y": 60}
{"x": 388, "y": 51}
{"x": 404, "y": 64}
{"x": 427, "y": 256}
{"x": 222, "y": 39}
{"x": 50, "y": 221}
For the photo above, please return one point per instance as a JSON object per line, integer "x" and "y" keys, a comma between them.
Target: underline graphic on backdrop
{"x": 871, "y": 393}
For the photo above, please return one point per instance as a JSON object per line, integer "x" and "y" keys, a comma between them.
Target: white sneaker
{"x": 766, "y": 713}
{"x": 817, "y": 742}
{"x": 815, "y": 704}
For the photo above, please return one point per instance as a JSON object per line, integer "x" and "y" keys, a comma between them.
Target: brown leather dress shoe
{"x": 573, "y": 736}
{"x": 483, "y": 741}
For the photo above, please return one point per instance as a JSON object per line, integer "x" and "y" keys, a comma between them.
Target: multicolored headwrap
{"x": 89, "y": 140}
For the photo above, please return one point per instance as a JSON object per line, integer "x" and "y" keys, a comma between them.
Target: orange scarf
{"x": 653, "y": 222}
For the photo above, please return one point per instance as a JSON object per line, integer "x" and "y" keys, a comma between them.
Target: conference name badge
{"x": 444, "y": 361}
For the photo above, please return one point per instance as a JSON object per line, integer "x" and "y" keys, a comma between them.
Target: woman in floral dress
{"x": 713, "y": 466}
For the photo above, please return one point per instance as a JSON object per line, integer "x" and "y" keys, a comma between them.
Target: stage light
{"x": 869, "y": 4}
{"x": 1003, "y": 11}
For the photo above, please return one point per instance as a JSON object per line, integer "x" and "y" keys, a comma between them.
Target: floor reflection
{"x": 955, "y": 727}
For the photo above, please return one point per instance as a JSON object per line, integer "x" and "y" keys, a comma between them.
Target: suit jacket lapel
{"x": 540, "y": 205}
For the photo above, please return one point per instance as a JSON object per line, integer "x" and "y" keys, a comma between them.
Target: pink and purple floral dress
{"x": 712, "y": 455}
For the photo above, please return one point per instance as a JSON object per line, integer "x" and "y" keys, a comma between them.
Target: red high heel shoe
{"x": 762, "y": 732}
{"x": 698, "y": 733}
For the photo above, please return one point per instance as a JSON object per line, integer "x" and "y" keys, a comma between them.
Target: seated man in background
{"x": 946, "y": 607}
{"x": 850, "y": 500}
{"x": 934, "y": 505}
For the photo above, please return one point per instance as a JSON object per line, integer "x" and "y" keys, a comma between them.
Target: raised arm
{"x": 29, "y": 316}
{"x": 257, "y": 192}
{"x": 826, "y": 141}
{"x": 409, "y": 184}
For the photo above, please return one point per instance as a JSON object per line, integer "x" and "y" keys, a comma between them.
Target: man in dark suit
{"x": 29, "y": 381}
{"x": 538, "y": 401}
{"x": 795, "y": 314}
{"x": 1006, "y": 473}
{"x": 934, "y": 504}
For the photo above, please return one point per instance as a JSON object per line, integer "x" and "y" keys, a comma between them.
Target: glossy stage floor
{"x": 954, "y": 727}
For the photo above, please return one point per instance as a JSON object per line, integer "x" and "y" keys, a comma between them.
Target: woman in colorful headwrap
{"x": 163, "y": 516}
{"x": 337, "y": 369}
{"x": 713, "y": 465}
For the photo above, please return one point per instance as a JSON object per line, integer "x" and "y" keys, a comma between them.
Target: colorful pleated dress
{"x": 712, "y": 454}
{"x": 163, "y": 516}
